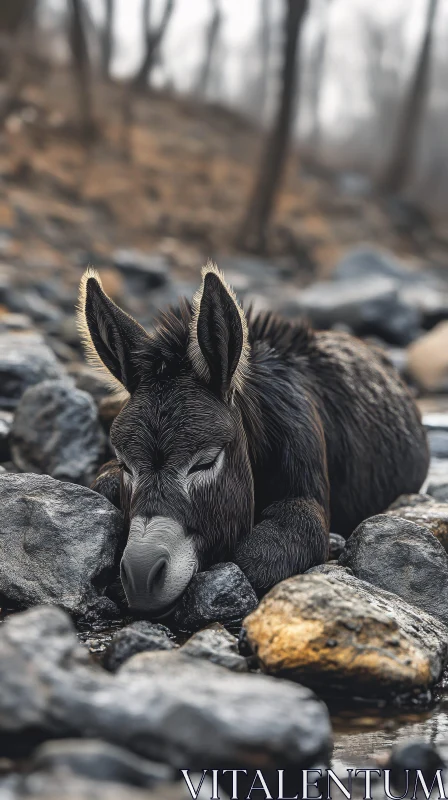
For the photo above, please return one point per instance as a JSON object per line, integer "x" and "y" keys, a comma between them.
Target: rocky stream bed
{"x": 333, "y": 667}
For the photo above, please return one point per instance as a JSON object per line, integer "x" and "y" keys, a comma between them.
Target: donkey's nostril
{"x": 157, "y": 576}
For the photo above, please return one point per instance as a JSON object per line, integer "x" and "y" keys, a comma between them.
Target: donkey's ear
{"x": 218, "y": 338}
{"x": 111, "y": 338}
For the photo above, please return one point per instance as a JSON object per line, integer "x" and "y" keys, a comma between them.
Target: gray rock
{"x": 137, "y": 638}
{"x": 337, "y": 544}
{"x": 438, "y": 444}
{"x": 6, "y": 418}
{"x": 47, "y": 786}
{"x": 222, "y": 594}
{"x": 58, "y": 543}
{"x": 56, "y": 431}
{"x": 142, "y": 270}
{"x": 403, "y": 558}
{"x": 338, "y": 634}
{"x": 439, "y": 491}
{"x": 98, "y": 761}
{"x": 25, "y": 360}
{"x": 371, "y": 306}
{"x": 175, "y": 710}
{"x": 32, "y": 304}
{"x": 218, "y": 646}
{"x": 371, "y": 262}
{"x": 90, "y": 380}
{"x": 423, "y": 510}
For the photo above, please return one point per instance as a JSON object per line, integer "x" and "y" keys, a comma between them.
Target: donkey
{"x": 243, "y": 438}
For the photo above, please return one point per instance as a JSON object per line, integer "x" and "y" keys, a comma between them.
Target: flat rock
{"x": 25, "y": 360}
{"x": 58, "y": 543}
{"x": 338, "y": 634}
{"x": 174, "y": 710}
{"x": 370, "y": 306}
{"x": 222, "y": 594}
{"x": 217, "y": 645}
{"x": 56, "y": 431}
{"x": 401, "y": 557}
{"x": 427, "y": 511}
{"x": 137, "y": 638}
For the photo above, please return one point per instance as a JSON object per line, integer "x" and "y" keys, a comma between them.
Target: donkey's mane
{"x": 171, "y": 334}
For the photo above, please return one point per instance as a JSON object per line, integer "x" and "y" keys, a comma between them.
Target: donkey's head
{"x": 187, "y": 486}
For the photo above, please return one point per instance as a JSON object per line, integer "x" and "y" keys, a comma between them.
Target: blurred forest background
{"x": 294, "y": 127}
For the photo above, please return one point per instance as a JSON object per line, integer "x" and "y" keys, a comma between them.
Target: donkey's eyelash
{"x": 202, "y": 466}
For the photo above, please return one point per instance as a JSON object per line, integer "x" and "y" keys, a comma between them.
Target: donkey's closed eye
{"x": 206, "y": 462}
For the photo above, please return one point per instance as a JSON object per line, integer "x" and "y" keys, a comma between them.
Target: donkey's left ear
{"x": 218, "y": 338}
{"x": 112, "y": 339}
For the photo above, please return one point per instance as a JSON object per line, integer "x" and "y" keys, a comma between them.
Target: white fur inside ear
{"x": 194, "y": 351}
{"x": 91, "y": 355}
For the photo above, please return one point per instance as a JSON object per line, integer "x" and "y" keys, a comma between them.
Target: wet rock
{"x": 175, "y": 710}
{"x": 411, "y": 756}
{"x": 57, "y": 543}
{"x": 222, "y": 594}
{"x": 56, "y": 431}
{"x": 423, "y": 510}
{"x": 337, "y": 544}
{"x": 137, "y": 638}
{"x": 218, "y": 646}
{"x": 98, "y": 761}
{"x": 6, "y": 419}
{"x": 371, "y": 306}
{"x": 336, "y": 633}
{"x": 403, "y": 558}
{"x": 142, "y": 270}
{"x": 25, "y": 360}
{"x": 428, "y": 359}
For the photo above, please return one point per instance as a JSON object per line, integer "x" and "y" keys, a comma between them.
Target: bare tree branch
{"x": 107, "y": 38}
{"x": 153, "y": 40}
{"x": 210, "y": 41}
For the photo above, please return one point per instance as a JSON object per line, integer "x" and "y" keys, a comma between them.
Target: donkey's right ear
{"x": 111, "y": 338}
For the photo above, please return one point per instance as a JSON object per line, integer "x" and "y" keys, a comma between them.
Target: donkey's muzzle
{"x": 157, "y": 565}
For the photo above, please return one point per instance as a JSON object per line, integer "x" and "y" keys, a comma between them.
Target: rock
{"x": 429, "y": 512}
{"x": 15, "y": 322}
{"x": 218, "y": 646}
{"x": 58, "y": 543}
{"x": 336, "y": 633}
{"x": 372, "y": 262}
{"x": 439, "y": 491}
{"x": 337, "y": 544}
{"x": 56, "y": 431}
{"x": 174, "y": 710}
{"x": 25, "y": 360}
{"x": 98, "y": 761}
{"x": 90, "y": 380}
{"x": 403, "y": 558}
{"x": 438, "y": 444}
{"x": 137, "y": 638}
{"x": 370, "y": 306}
{"x": 222, "y": 594}
{"x": 411, "y": 756}
{"x": 32, "y": 304}
{"x": 428, "y": 359}
{"x": 6, "y": 419}
{"x": 142, "y": 270}
{"x": 47, "y": 786}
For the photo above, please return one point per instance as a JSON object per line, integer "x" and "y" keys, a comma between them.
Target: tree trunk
{"x": 318, "y": 71}
{"x": 12, "y": 13}
{"x": 265, "y": 45}
{"x": 152, "y": 45}
{"x": 211, "y": 37}
{"x": 81, "y": 65}
{"x": 252, "y": 235}
{"x": 402, "y": 160}
{"x": 108, "y": 39}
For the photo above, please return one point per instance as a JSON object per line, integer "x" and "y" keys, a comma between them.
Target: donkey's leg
{"x": 291, "y": 537}
{"x": 107, "y": 482}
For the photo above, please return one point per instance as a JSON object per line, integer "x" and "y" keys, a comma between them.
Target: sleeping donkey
{"x": 244, "y": 438}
